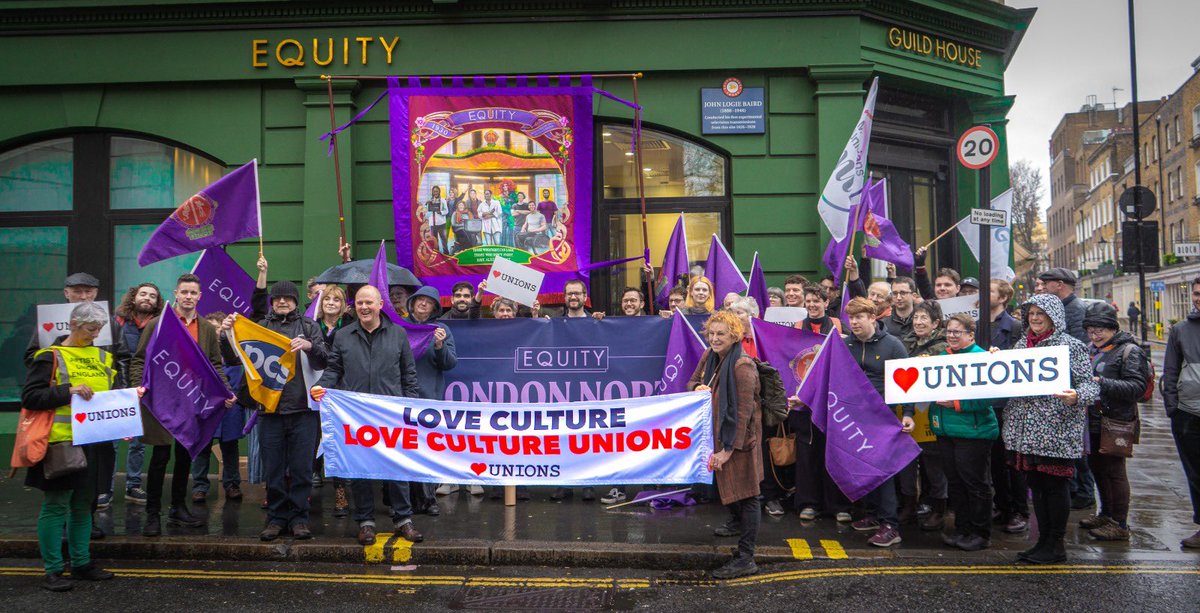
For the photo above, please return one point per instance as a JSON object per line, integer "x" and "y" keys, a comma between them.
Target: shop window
{"x": 54, "y": 221}
{"x": 671, "y": 166}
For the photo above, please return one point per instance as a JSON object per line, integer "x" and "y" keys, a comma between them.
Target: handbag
{"x": 32, "y": 438}
{"x": 782, "y": 447}
{"x": 1117, "y": 437}
{"x": 63, "y": 459}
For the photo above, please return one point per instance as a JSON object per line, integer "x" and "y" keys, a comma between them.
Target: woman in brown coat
{"x": 732, "y": 378}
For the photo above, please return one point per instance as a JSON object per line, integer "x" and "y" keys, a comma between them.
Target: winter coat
{"x": 294, "y": 397}
{"x": 968, "y": 418}
{"x": 738, "y": 479}
{"x": 1181, "y": 367}
{"x": 1122, "y": 380}
{"x": 434, "y": 361}
{"x": 1075, "y": 312}
{"x": 934, "y": 344}
{"x": 1005, "y": 331}
{"x": 872, "y": 353}
{"x": 898, "y": 326}
{"x": 380, "y": 362}
{"x": 1043, "y": 425}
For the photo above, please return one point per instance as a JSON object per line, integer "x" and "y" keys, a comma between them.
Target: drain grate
{"x": 533, "y": 598}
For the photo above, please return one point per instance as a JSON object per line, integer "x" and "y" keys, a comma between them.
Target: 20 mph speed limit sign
{"x": 977, "y": 147}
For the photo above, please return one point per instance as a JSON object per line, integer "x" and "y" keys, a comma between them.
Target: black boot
{"x": 1053, "y": 551}
{"x": 180, "y": 516}
{"x": 153, "y": 525}
{"x": 56, "y": 582}
{"x": 1043, "y": 524}
{"x": 908, "y": 510}
{"x": 937, "y": 518}
{"x": 91, "y": 572}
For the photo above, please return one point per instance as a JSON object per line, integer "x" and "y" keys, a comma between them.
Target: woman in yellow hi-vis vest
{"x": 73, "y": 367}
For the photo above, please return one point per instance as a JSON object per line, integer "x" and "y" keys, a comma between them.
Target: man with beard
{"x": 632, "y": 302}
{"x": 141, "y": 304}
{"x": 575, "y": 294}
{"x": 464, "y": 301}
{"x": 904, "y": 291}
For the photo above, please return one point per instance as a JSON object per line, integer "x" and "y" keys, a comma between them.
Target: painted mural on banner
{"x": 666, "y": 439}
{"x": 485, "y": 172}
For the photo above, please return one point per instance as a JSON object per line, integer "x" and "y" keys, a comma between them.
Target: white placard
{"x": 54, "y": 320}
{"x": 108, "y": 416}
{"x": 989, "y": 217}
{"x": 518, "y": 283}
{"x": 785, "y": 316}
{"x": 971, "y": 376}
{"x": 959, "y": 304}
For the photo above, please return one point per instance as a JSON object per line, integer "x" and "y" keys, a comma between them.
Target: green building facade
{"x": 114, "y": 112}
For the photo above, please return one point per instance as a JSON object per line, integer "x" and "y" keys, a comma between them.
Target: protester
{"x": 187, "y": 295}
{"x": 816, "y": 303}
{"x": 899, "y": 322}
{"x": 228, "y": 434}
{"x": 142, "y": 303}
{"x": 880, "y": 293}
{"x": 575, "y": 295}
{"x": 834, "y": 293}
{"x": 774, "y": 297}
{"x": 928, "y": 338}
{"x": 1011, "y": 490}
{"x": 699, "y": 297}
{"x": 793, "y": 291}
{"x": 632, "y": 302}
{"x": 333, "y": 317}
{"x": 732, "y": 378}
{"x": 424, "y": 307}
{"x": 504, "y": 308}
{"x": 816, "y": 492}
{"x": 945, "y": 284}
{"x": 746, "y": 308}
{"x": 675, "y": 300}
{"x": 1181, "y": 398}
{"x": 1117, "y": 366}
{"x": 464, "y": 301}
{"x": 871, "y": 347}
{"x": 398, "y": 296}
{"x": 968, "y": 287}
{"x": 1044, "y": 434}
{"x": 729, "y": 299}
{"x": 67, "y": 506}
{"x": 372, "y": 356}
{"x": 965, "y": 431}
{"x": 314, "y": 289}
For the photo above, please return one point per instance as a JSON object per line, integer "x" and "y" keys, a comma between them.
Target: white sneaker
{"x": 446, "y": 489}
{"x": 844, "y": 517}
{"x": 613, "y": 496}
{"x": 475, "y": 490}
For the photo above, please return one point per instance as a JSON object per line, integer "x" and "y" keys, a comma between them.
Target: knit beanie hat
{"x": 285, "y": 289}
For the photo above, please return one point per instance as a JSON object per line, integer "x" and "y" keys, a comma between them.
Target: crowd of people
{"x": 990, "y": 458}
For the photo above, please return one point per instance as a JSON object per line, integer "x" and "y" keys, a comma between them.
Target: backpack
{"x": 771, "y": 395}
{"x": 1147, "y": 367}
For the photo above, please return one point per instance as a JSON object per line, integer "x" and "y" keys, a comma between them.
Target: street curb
{"x": 390, "y": 549}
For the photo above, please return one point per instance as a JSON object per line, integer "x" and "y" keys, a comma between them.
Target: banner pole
{"x": 337, "y": 169}
{"x": 641, "y": 185}
{"x": 853, "y": 235}
{"x": 944, "y": 233}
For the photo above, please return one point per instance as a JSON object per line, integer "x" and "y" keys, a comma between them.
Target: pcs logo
{"x": 265, "y": 359}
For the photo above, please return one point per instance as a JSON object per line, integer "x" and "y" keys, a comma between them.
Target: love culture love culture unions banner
{"x": 664, "y": 439}
{"x": 485, "y": 172}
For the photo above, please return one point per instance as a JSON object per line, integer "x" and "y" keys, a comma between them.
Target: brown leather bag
{"x": 1117, "y": 437}
{"x": 782, "y": 447}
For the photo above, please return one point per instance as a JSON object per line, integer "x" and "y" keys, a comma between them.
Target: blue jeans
{"x": 362, "y": 491}
{"x": 133, "y": 465}
{"x": 289, "y": 443}
{"x": 230, "y": 467}
{"x": 881, "y": 503}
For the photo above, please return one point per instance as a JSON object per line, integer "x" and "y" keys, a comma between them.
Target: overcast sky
{"x": 1075, "y": 48}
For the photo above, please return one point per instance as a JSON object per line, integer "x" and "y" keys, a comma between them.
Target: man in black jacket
{"x": 289, "y": 434}
{"x": 372, "y": 355}
{"x": 1180, "y": 380}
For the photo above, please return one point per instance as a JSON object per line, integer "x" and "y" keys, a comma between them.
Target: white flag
{"x": 1001, "y": 239}
{"x": 845, "y": 185}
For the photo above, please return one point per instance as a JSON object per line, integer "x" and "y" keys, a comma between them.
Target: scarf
{"x": 1031, "y": 339}
{"x": 726, "y": 388}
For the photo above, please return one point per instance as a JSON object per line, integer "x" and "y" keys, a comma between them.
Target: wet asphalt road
{"x": 843, "y": 585}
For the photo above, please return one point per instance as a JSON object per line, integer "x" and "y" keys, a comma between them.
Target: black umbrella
{"x": 358, "y": 272}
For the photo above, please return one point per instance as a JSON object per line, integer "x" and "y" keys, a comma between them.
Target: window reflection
{"x": 148, "y": 175}
{"x": 671, "y": 167}
{"x": 35, "y": 264}
{"x": 37, "y": 177}
{"x": 625, "y": 239}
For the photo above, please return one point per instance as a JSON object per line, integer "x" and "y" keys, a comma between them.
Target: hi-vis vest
{"x": 90, "y": 366}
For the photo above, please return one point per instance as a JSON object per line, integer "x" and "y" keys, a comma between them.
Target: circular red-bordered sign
{"x": 978, "y": 147}
{"x": 196, "y": 211}
{"x": 732, "y": 87}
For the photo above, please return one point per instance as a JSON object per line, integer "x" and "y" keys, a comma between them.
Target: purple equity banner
{"x": 222, "y": 213}
{"x": 675, "y": 263}
{"x": 864, "y": 444}
{"x": 183, "y": 390}
{"x": 790, "y": 350}
{"x": 224, "y": 286}
{"x": 883, "y": 241}
{"x": 723, "y": 272}
{"x": 684, "y": 349}
{"x": 419, "y": 335}
{"x": 482, "y": 172}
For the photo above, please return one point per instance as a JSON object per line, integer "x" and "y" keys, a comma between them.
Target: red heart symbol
{"x": 79, "y": 417}
{"x": 479, "y": 467}
{"x": 496, "y": 273}
{"x": 47, "y": 326}
{"x": 905, "y": 377}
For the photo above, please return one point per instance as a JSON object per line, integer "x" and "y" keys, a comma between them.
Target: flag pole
{"x": 337, "y": 167}
{"x": 641, "y": 186}
{"x": 944, "y": 233}
{"x": 853, "y": 235}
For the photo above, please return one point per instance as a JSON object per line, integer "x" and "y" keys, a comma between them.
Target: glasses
{"x": 1095, "y": 331}
{"x": 573, "y": 294}
{"x": 957, "y": 333}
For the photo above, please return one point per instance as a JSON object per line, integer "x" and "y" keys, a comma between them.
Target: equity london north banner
{"x": 662, "y": 440}
{"x": 485, "y": 172}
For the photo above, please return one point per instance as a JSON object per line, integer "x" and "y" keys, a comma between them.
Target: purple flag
{"x": 790, "y": 350}
{"x": 224, "y": 286}
{"x": 684, "y": 348}
{"x": 837, "y": 250}
{"x": 222, "y": 213}
{"x": 420, "y": 336}
{"x": 842, "y": 307}
{"x": 758, "y": 286}
{"x": 675, "y": 261}
{"x": 864, "y": 444}
{"x": 723, "y": 272}
{"x": 314, "y": 308}
{"x": 883, "y": 241}
{"x": 183, "y": 390}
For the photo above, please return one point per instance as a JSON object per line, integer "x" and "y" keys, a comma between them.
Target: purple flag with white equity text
{"x": 222, "y": 213}
{"x": 864, "y": 444}
{"x": 723, "y": 271}
{"x": 224, "y": 286}
{"x": 420, "y": 336}
{"x": 790, "y": 350}
{"x": 183, "y": 390}
{"x": 883, "y": 241}
{"x": 675, "y": 261}
{"x": 758, "y": 286}
{"x": 684, "y": 349}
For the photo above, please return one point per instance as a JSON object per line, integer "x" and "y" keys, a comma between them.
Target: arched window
{"x": 680, "y": 175}
{"x": 84, "y": 203}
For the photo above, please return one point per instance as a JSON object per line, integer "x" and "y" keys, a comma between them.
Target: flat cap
{"x": 1058, "y": 274}
{"x": 81, "y": 278}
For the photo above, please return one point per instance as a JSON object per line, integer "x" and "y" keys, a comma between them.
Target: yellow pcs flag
{"x": 268, "y": 359}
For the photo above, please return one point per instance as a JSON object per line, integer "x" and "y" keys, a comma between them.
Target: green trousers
{"x": 71, "y": 509}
